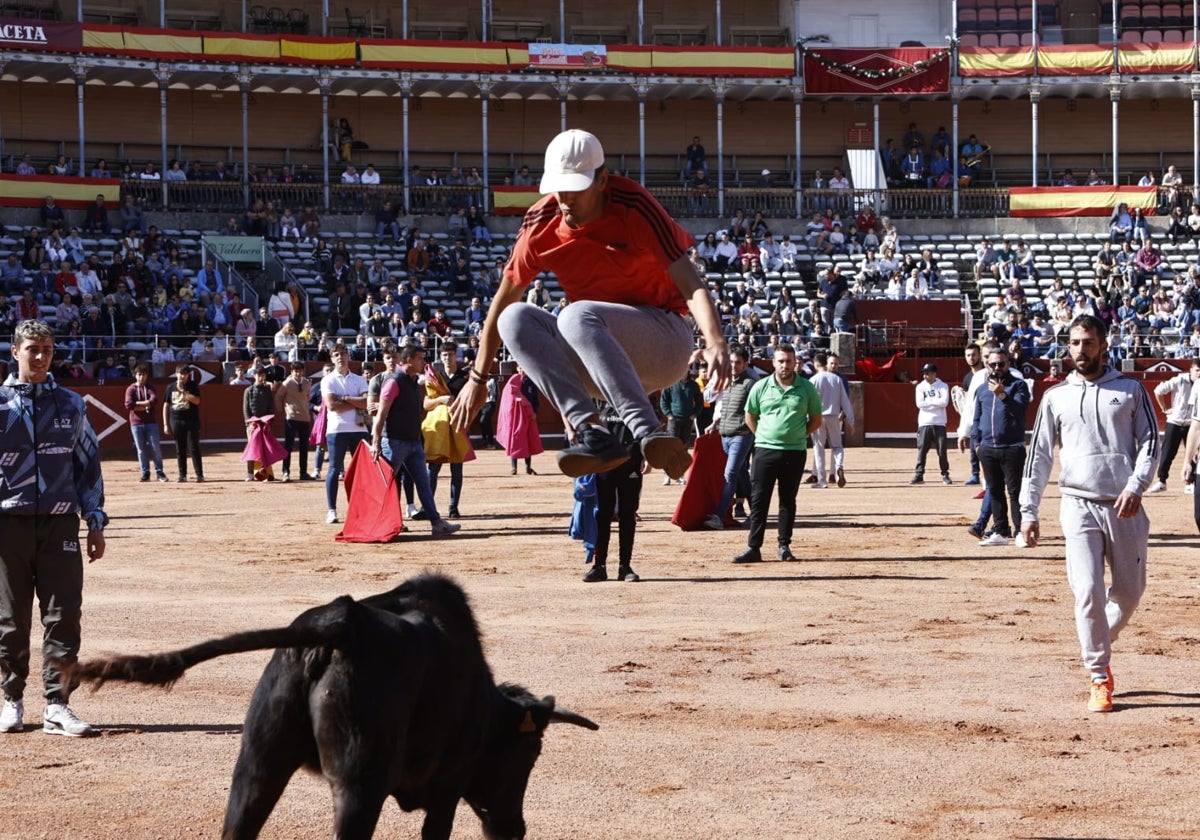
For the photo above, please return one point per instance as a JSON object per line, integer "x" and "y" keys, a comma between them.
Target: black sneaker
{"x": 976, "y": 532}
{"x": 419, "y": 515}
{"x": 917, "y": 480}
{"x": 596, "y": 450}
{"x": 627, "y": 574}
{"x": 750, "y": 555}
{"x": 145, "y": 477}
{"x": 785, "y": 554}
{"x": 739, "y": 511}
{"x": 453, "y": 514}
{"x": 667, "y": 453}
{"x": 597, "y": 573}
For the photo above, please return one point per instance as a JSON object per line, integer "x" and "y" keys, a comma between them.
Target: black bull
{"x": 387, "y": 696}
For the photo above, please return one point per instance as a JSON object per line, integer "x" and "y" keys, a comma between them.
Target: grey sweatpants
{"x": 828, "y": 437}
{"x": 594, "y": 349}
{"x": 39, "y": 555}
{"x": 1095, "y": 537}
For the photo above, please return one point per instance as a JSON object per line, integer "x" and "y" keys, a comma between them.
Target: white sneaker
{"x": 821, "y": 485}
{"x": 12, "y": 716}
{"x": 411, "y": 513}
{"x": 995, "y": 539}
{"x": 58, "y": 719}
{"x": 1189, "y": 489}
{"x": 1019, "y": 541}
{"x": 445, "y": 529}
{"x": 1157, "y": 487}
{"x": 331, "y": 517}
{"x": 714, "y": 523}
{"x": 666, "y": 480}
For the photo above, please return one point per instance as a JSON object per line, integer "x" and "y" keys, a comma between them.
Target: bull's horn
{"x": 567, "y": 716}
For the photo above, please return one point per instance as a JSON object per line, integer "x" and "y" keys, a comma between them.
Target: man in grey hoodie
{"x": 1106, "y": 428}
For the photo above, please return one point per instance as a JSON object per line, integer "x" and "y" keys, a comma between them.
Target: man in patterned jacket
{"x": 49, "y": 479}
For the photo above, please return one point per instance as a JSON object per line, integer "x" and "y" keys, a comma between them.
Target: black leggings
{"x": 187, "y": 440}
{"x": 618, "y": 493}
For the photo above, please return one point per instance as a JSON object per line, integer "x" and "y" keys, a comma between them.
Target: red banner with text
{"x": 877, "y": 72}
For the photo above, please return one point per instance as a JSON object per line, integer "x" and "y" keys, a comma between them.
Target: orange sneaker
{"x": 1101, "y": 697}
{"x": 1110, "y": 682}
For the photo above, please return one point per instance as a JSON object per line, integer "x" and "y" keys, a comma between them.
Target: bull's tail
{"x": 323, "y": 626}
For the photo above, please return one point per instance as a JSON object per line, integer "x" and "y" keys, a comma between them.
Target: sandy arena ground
{"x": 900, "y": 682}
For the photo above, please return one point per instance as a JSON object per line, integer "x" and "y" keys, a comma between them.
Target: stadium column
{"x": 405, "y": 82}
{"x": 1195, "y": 136}
{"x": 642, "y": 90}
{"x": 1035, "y": 96}
{"x": 564, "y": 89}
{"x": 244, "y": 79}
{"x": 797, "y": 99}
{"x": 1114, "y": 93}
{"x": 162, "y": 75}
{"x": 719, "y": 89}
{"x": 875, "y": 133}
{"x": 80, "y": 70}
{"x": 485, "y": 92}
{"x": 955, "y": 96}
{"x": 325, "y": 82}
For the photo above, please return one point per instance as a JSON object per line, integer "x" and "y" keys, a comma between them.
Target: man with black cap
{"x": 623, "y": 262}
{"x": 933, "y": 396}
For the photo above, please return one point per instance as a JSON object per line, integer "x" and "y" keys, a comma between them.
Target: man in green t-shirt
{"x": 782, "y": 411}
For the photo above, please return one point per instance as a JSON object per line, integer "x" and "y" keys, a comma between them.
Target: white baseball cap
{"x": 572, "y": 159}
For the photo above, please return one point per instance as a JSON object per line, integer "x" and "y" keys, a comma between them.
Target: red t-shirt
{"x": 622, "y": 257}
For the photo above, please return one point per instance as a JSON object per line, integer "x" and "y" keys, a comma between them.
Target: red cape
{"x": 705, "y": 481}
{"x": 373, "y": 512}
{"x": 262, "y": 446}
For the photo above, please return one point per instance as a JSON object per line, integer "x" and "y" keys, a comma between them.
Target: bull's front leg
{"x": 439, "y": 816}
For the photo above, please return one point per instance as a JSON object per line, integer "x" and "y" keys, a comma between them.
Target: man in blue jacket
{"x": 49, "y": 479}
{"x": 999, "y": 438}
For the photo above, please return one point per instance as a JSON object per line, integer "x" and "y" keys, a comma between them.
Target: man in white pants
{"x": 835, "y": 409}
{"x": 1105, "y": 425}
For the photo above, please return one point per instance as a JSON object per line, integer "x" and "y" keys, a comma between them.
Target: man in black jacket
{"x": 999, "y": 437}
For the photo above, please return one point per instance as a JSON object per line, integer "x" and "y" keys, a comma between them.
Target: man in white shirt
{"x": 836, "y": 409}
{"x": 1178, "y": 392}
{"x": 932, "y": 396}
{"x": 345, "y": 395}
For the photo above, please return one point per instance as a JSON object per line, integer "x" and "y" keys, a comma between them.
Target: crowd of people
{"x": 1148, "y": 309}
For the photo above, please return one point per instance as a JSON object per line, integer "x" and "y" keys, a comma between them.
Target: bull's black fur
{"x": 387, "y": 696}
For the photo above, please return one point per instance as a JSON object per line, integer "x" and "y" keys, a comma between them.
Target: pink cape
{"x": 262, "y": 446}
{"x": 373, "y": 510}
{"x": 705, "y": 481}
{"x": 317, "y": 436}
{"x": 516, "y": 427}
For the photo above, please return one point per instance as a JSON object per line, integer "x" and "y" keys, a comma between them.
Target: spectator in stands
{"x": 973, "y": 151}
{"x": 310, "y": 226}
{"x": 100, "y": 170}
{"x": 196, "y": 172}
{"x": 12, "y": 274}
{"x": 940, "y": 141}
{"x": 1178, "y": 228}
{"x": 287, "y": 343}
{"x": 370, "y": 176}
{"x": 726, "y": 256}
{"x": 1141, "y": 227}
{"x": 149, "y": 173}
{"x": 175, "y": 171}
{"x": 1121, "y": 225}
{"x": 95, "y": 218}
{"x": 1094, "y": 179}
{"x": 387, "y": 222}
{"x": 912, "y": 167}
{"x": 1067, "y": 179}
{"x": 33, "y": 249}
{"x": 986, "y": 260}
{"x": 939, "y": 171}
{"x": 345, "y": 139}
{"x": 289, "y": 228}
{"x": 1149, "y": 262}
{"x": 52, "y": 215}
{"x": 700, "y": 188}
{"x": 1148, "y": 180}
{"x": 26, "y": 167}
{"x": 1171, "y": 182}
{"x": 830, "y": 289}
{"x": 523, "y": 177}
{"x": 695, "y": 157}
{"x": 131, "y": 215}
